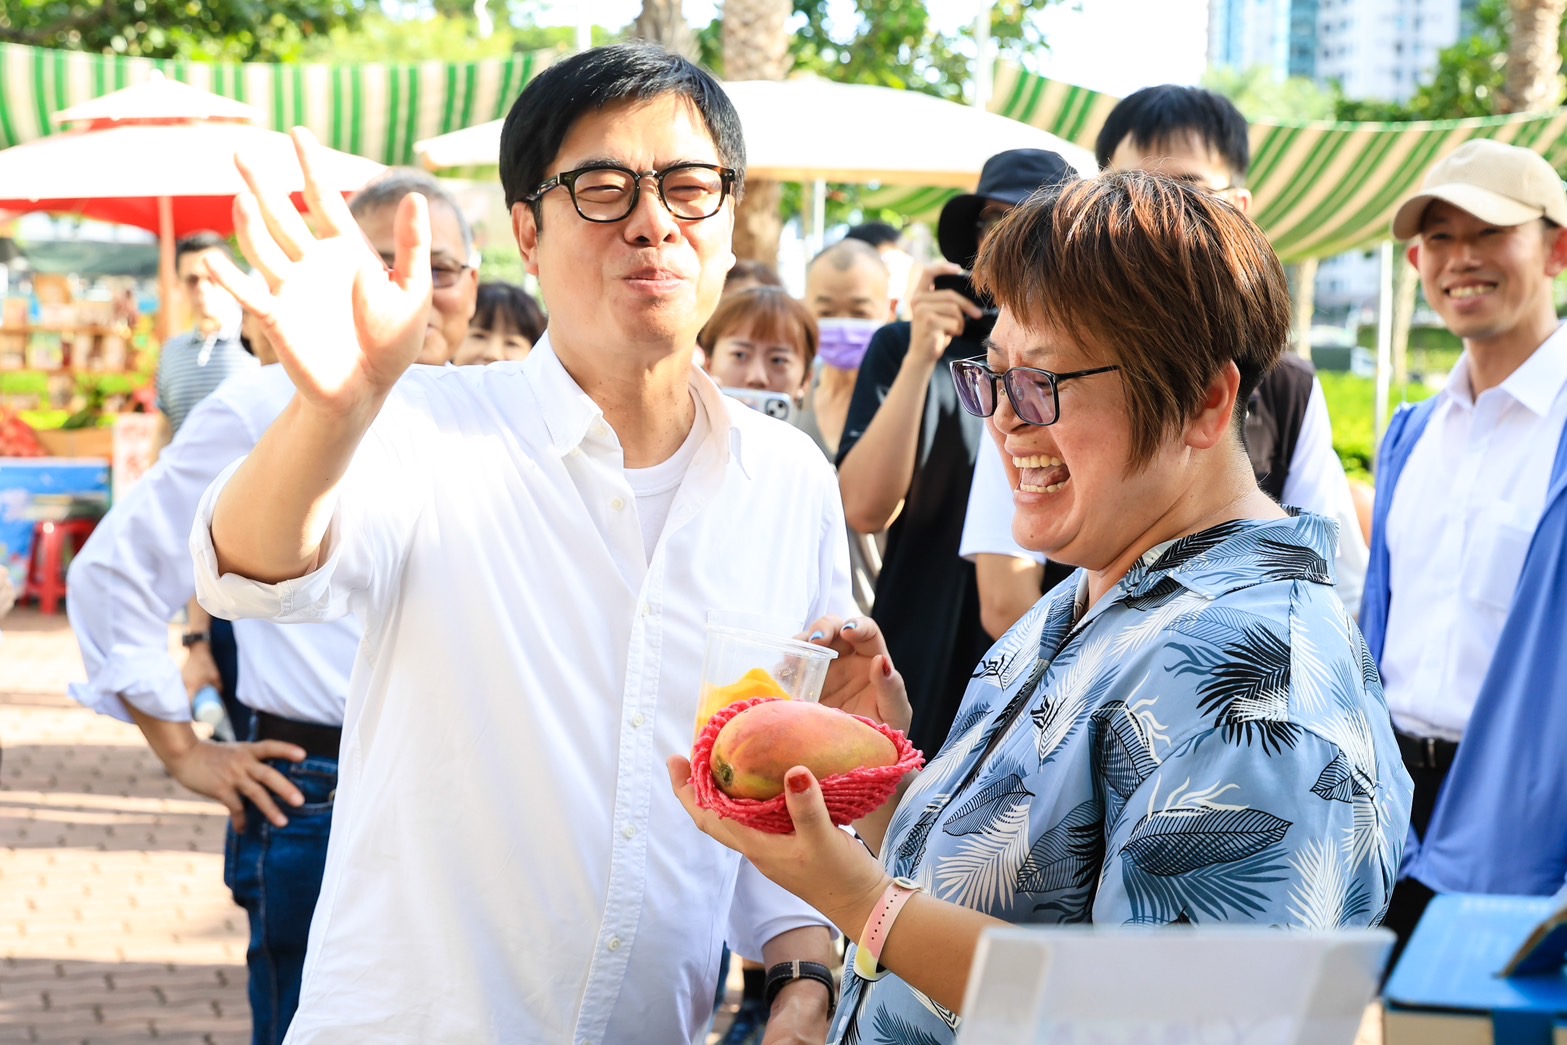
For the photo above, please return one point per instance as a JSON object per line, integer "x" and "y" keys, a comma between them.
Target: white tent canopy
{"x": 816, "y": 130}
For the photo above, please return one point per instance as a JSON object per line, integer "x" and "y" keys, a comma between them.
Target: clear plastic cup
{"x": 740, "y": 664}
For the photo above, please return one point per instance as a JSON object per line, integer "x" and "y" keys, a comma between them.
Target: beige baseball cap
{"x": 1500, "y": 184}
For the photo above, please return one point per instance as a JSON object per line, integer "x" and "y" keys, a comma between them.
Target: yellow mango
{"x": 757, "y": 747}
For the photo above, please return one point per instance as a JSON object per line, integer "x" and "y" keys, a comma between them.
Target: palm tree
{"x": 662, "y": 22}
{"x": 756, "y": 47}
{"x": 1534, "y": 57}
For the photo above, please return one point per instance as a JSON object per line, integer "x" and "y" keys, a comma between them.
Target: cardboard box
{"x": 78, "y": 442}
{"x": 1450, "y": 989}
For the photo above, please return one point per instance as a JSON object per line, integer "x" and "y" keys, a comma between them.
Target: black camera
{"x": 973, "y": 329}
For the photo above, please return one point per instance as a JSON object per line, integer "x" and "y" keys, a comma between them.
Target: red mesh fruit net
{"x": 849, "y": 796}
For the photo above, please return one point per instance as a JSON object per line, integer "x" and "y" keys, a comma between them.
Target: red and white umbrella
{"x": 160, "y": 156}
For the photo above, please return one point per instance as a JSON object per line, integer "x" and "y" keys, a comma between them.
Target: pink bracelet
{"x": 867, "y": 957}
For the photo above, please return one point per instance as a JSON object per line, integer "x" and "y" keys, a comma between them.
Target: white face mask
{"x": 842, "y": 342}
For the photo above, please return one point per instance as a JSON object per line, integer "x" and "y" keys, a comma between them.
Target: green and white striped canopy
{"x": 375, "y": 110}
{"x": 1319, "y": 189}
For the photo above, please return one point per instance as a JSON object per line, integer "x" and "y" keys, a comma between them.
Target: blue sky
{"x": 1115, "y": 46}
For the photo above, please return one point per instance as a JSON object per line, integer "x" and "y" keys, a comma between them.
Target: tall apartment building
{"x": 1382, "y": 49}
{"x": 1275, "y": 34}
{"x": 1373, "y": 48}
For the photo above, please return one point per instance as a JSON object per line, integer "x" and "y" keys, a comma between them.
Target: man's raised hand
{"x": 344, "y": 327}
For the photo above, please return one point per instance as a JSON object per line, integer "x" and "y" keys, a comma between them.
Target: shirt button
{"x": 614, "y": 943}
{"x": 629, "y": 832}
{"x": 637, "y": 720}
{"x": 618, "y": 503}
{"x": 647, "y": 610}
{"x": 600, "y": 430}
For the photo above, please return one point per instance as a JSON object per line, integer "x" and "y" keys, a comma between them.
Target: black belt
{"x": 1426, "y": 752}
{"x": 317, "y": 740}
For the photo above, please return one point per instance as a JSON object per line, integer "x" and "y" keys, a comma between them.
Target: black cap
{"x": 1008, "y": 177}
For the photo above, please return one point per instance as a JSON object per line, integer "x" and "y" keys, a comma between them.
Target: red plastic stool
{"x": 46, "y": 571}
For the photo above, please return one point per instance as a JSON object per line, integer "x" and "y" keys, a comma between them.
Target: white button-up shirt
{"x": 508, "y": 861}
{"x": 134, "y": 575}
{"x": 1463, "y": 515}
{"x": 1316, "y": 483}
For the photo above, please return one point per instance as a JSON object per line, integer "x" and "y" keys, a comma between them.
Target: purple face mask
{"x": 842, "y": 342}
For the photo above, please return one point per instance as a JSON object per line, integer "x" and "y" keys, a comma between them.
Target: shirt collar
{"x": 1534, "y": 385}
{"x": 721, "y": 414}
{"x": 567, "y": 410}
{"x": 570, "y": 414}
{"x": 1539, "y": 380}
{"x": 1236, "y": 555}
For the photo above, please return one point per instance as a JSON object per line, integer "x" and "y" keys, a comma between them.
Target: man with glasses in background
{"x": 534, "y": 550}
{"x": 454, "y": 278}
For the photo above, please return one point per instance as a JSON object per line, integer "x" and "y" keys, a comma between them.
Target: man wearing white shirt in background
{"x": 134, "y": 574}
{"x": 1466, "y": 599}
{"x": 1199, "y": 137}
{"x": 534, "y": 549}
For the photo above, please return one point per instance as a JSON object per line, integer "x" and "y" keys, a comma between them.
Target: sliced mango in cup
{"x": 757, "y": 682}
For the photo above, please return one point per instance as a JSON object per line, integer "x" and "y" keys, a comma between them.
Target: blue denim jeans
{"x": 275, "y": 875}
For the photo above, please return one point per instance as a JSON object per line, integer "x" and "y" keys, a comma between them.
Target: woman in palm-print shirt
{"x": 1187, "y": 730}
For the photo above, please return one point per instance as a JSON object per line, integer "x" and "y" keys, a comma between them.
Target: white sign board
{"x": 1171, "y": 986}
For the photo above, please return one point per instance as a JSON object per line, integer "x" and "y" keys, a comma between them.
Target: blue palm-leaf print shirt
{"x": 1208, "y": 743}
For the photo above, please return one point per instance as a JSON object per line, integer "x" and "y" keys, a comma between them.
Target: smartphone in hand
{"x": 773, "y": 404}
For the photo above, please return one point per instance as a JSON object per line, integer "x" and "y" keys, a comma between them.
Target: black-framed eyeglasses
{"x": 442, "y": 274}
{"x": 1035, "y": 394}
{"x": 606, "y": 193}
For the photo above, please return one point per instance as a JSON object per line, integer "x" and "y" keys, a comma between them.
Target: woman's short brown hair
{"x": 1166, "y": 280}
{"x": 768, "y": 314}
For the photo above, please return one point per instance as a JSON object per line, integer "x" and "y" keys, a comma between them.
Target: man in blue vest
{"x": 1466, "y": 596}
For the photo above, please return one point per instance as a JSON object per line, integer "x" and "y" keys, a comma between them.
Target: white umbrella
{"x": 817, "y": 130}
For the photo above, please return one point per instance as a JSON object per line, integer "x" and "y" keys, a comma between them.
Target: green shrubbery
{"x": 1352, "y": 407}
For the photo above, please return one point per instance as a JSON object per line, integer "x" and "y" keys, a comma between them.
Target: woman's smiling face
{"x": 1078, "y": 496}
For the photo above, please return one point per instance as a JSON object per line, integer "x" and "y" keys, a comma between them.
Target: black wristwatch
{"x": 784, "y": 973}
{"x": 191, "y": 638}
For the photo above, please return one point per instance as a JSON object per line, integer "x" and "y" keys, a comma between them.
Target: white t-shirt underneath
{"x": 655, "y": 487}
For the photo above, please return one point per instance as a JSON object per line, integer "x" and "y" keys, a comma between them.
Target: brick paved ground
{"x": 115, "y": 926}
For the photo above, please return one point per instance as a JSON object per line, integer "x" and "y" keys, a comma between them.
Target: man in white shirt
{"x": 1199, "y": 137}
{"x": 135, "y": 572}
{"x": 1464, "y": 483}
{"x": 533, "y": 548}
